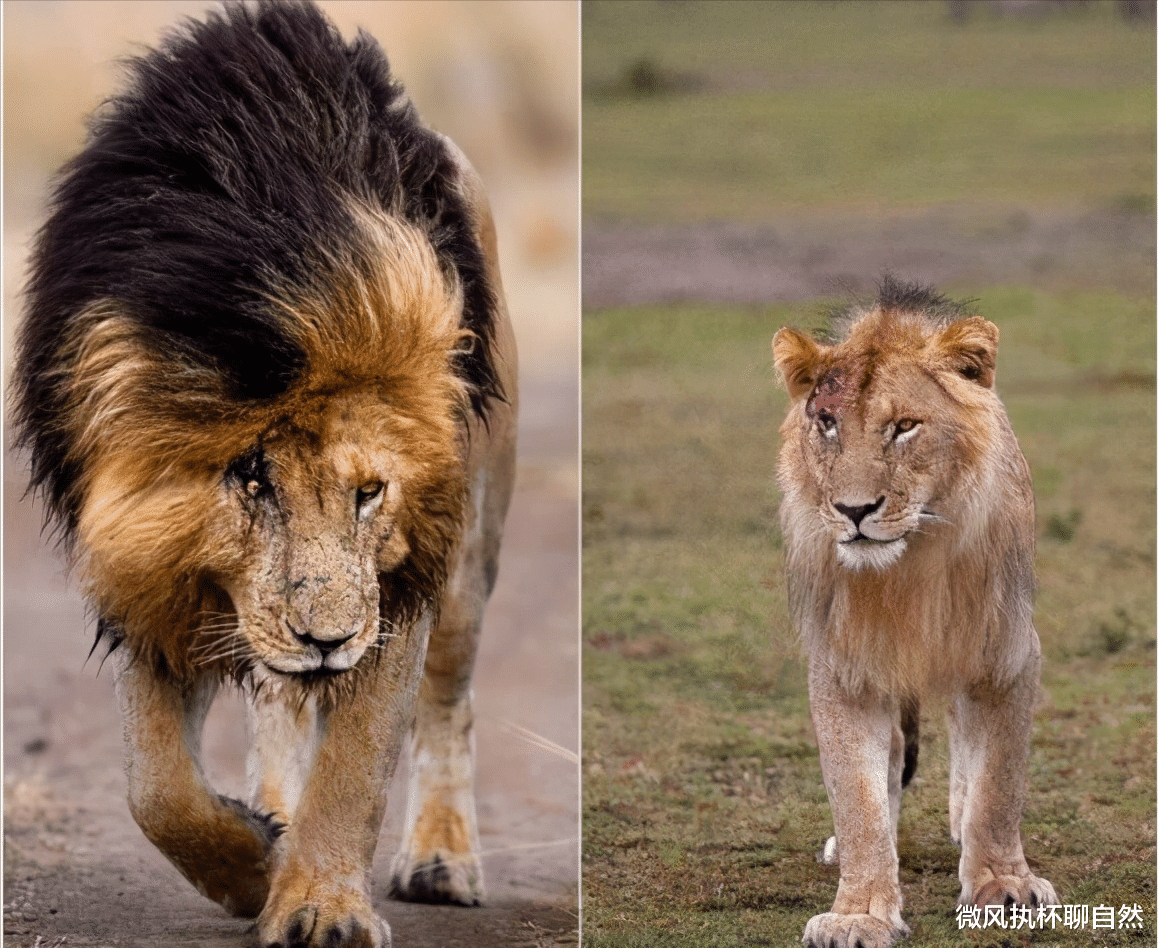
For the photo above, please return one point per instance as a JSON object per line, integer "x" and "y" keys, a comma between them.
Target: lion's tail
{"x": 910, "y": 727}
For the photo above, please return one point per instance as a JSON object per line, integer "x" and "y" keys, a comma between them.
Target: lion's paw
{"x": 832, "y": 930}
{"x": 1015, "y": 890}
{"x": 345, "y": 921}
{"x": 230, "y": 863}
{"x": 437, "y": 879}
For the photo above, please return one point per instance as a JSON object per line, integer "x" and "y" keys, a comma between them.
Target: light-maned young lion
{"x": 267, "y": 381}
{"x": 909, "y": 536}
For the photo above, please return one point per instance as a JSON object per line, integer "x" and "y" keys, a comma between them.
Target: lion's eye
{"x": 367, "y": 494}
{"x": 905, "y": 429}
{"x": 250, "y": 473}
{"x": 827, "y": 424}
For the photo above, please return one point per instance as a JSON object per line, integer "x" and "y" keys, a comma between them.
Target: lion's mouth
{"x": 862, "y": 538}
{"x": 314, "y": 662}
{"x": 863, "y": 551}
{"x": 305, "y": 672}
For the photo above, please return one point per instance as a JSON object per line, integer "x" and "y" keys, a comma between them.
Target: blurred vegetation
{"x": 703, "y": 801}
{"x": 737, "y": 110}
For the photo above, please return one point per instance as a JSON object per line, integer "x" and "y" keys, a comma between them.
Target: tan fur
{"x": 908, "y": 526}
{"x": 391, "y": 496}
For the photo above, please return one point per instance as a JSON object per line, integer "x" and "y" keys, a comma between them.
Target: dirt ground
{"x": 630, "y": 264}
{"x": 77, "y": 870}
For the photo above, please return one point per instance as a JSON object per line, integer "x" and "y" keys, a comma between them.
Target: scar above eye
{"x": 828, "y": 396}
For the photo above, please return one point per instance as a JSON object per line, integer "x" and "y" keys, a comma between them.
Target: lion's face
{"x": 882, "y": 434}
{"x": 315, "y": 519}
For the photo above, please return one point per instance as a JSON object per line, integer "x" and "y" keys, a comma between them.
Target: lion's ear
{"x": 797, "y": 357}
{"x": 970, "y": 347}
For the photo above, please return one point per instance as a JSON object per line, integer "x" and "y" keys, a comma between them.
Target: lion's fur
{"x": 200, "y": 230}
{"x": 266, "y": 379}
{"x": 968, "y": 575}
{"x": 151, "y": 443}
{"x": 136, "y": 388}
{"x": 908, "y": 522}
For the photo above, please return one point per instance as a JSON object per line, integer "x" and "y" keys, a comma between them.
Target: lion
{"x": 908, "y": 526}
{"x": 267, "y": 382}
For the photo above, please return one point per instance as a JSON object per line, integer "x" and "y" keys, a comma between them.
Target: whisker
{"x": 537, "y": 740}
{"x": 209, "y": 639}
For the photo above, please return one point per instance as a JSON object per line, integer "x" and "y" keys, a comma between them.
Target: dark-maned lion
{"x": 267, "y": 382}
{"x": 908, "y": 530}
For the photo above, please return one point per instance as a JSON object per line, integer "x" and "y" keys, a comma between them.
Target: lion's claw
{"x": 332, "y": 926}
{"x": 1015, "y": 890}
{"x": 832, "y": 930}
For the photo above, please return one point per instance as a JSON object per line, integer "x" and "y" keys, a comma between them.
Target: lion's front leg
{"x": 857, "y": 738}
{"x": 219, "y": 845}
{"x": 989, "y": 741}
{"x": 320, "y": 886}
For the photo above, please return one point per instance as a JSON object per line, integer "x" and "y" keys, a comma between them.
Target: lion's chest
{"x": 912, "y": 629}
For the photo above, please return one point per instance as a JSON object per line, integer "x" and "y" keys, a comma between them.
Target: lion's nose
{"x": 857, "y": 513}
{"x": 326, "y": 645}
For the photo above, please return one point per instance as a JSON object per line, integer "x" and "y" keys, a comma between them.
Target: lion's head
{"x": 312, "y": 518}
{"x": 294, "y": 533}
{"x": 888, "y": 426}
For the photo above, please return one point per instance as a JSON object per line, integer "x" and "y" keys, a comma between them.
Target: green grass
{"x": 743, "y": 110}
{"x": 703, "y": 803}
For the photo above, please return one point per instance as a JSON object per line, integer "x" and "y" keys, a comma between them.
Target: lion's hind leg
{"x": 440, "y": 861}
{"x": 283, "y": 740}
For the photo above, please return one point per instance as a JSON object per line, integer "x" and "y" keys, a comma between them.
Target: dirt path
{"x": 629, "y": 264}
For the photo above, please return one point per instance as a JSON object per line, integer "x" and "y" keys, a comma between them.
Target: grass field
{"x": 743, "y": 111}
{"x": 703, "y": 802}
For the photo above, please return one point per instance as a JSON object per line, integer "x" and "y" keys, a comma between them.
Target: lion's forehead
{"x": 873, "y": 389}
{"x": 320, "y": 465}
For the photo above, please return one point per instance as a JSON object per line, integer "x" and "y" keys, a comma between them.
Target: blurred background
{"x": 743, "y": 165}
{"x": 501, "y": 78}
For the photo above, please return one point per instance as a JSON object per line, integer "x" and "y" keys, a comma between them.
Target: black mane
{"x": 896, "y": 296}
{"x": 223, "y": 171}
